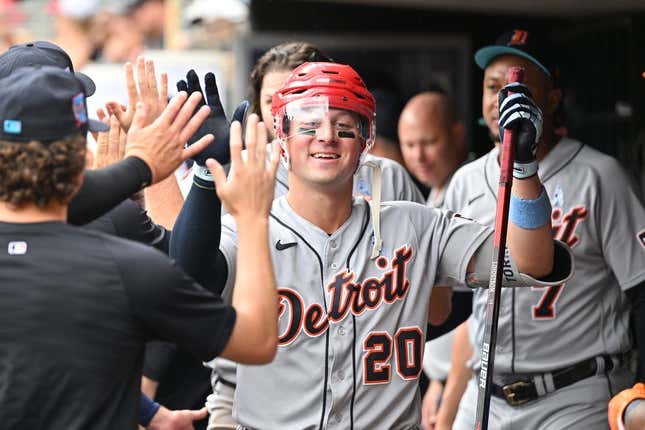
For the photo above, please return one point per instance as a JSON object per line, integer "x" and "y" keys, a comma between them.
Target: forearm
{"x": 103, "y": 189}
{"x": 196, "y": 235}
{"x": 254, "y": 295}
{"x": 531, "y": 248}
{"x": 458, "y": 378}
{"x": 149, "y": 387}
{"x": 164, "y": 201}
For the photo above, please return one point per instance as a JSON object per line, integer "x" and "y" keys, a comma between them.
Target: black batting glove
{"x": 216, "y": 123}
{"x": 519, "y": 113}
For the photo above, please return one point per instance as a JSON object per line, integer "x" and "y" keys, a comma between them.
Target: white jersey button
{"x": 341, "y": 375}
{"x": 333, "y": 244}
{"x": 341, "y": 331}
{"x": 334, "y": 266}
{"x": 338, "y": 417}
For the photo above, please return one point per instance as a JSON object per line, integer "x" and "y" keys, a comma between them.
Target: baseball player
{"x": 354, "y": 277}
{"x": 562, "y": 351}
{"x": 77, "y": 305}
{"x": 267, "y": 77}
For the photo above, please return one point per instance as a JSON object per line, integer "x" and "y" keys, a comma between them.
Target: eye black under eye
{"x": 347, "y": 134}
{"x": 306, "y": 131}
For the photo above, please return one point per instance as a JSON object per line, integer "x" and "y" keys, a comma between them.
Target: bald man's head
{"x": 429, "y": 106}
{"x": 431, "y": 138}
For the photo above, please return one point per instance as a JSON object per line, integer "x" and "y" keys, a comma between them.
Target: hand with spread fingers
{"x": 145, "y": 89}
{"x": 161, "y": 144}
{"x": 216, "y": 123}
{"x": 248, "y": 190}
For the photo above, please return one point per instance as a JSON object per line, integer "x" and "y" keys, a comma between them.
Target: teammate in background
{"x": 355, "y": 276}
{"x": 432, "y": 144}
{"x": 81, "y": 312}
{"x": 432, "y": 141}
{"x": 562, "y": 351}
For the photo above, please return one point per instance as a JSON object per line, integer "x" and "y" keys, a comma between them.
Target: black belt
{"x": 522, "y": 391}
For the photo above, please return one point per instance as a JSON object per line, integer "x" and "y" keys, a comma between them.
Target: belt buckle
{"x": 511, "y": 395}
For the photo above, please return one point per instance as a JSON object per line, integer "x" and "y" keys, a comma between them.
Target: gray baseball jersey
{"x": 351, "y": 329}
{"x": 396, "y": 184}
{"x": 597, "y": 214}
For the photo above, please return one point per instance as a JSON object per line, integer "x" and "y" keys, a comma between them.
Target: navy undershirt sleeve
{"x": 195, "y": 239}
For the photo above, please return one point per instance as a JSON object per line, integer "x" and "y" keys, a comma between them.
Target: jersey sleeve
{"x": 102, "y": 189}
{"x": 169, "y": 304}
{"x": 132, "y": 222}
{"x": 459, "y": 240}
{"x": 621, "y": 219}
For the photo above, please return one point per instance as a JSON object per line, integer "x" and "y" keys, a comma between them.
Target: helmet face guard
{"x": 312, "y": 91}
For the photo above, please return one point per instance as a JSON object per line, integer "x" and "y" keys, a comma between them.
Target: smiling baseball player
{"x": 354, "y": 277}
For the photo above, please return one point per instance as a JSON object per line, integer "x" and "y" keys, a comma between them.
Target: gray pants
{"x": 582, "y": 406}
{"x": 220, "y": 408}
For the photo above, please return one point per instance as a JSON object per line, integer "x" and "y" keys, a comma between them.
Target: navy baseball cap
{"x": 41, "y": 53}
{"x": 523, "y": 44}
{"x": 43, "y": 103}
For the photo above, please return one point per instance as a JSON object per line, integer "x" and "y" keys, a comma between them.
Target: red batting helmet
{"x": 339, "y": 84}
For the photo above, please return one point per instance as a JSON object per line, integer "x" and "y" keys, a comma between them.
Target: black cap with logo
{"x": 43, "y": 103}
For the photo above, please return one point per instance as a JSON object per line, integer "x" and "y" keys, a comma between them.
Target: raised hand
{"x": 248, "y": 190}
{"x": 216, "y": 123}
{"x": 154, "y": 94}
{"x": 110, "y": 145}
{"x": 518, "y": 112}
{"x": 161, "y": 143}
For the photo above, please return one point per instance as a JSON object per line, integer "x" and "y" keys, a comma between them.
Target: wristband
{"x": 530, "y": 214}
{"x": 525, "y": 170}
{"x": 202, "y": 177}
{"x": 148, "y": 410}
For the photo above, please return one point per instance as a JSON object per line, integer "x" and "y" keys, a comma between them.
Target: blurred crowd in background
{"x": 116, "y": 31}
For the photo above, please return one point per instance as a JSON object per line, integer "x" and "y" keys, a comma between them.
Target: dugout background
{"x": 602, "y": 58}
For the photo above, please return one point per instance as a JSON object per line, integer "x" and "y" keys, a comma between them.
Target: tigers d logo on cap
{"x": 519, "y": 37}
